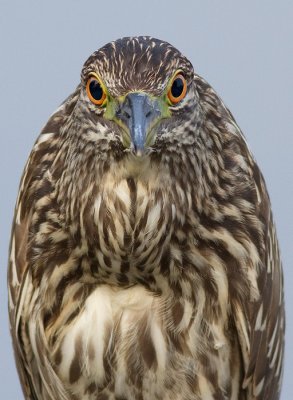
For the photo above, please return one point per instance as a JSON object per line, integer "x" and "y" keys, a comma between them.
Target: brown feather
{"x": 153, "y": 277}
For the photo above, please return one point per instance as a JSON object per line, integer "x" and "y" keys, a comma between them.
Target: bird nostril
{"x": 148, "y": 114}
{"x": 126, "y": 115}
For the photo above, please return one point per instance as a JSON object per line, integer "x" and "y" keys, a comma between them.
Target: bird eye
{"x": 95, "y": 91}
{"x": 177, "y": 89}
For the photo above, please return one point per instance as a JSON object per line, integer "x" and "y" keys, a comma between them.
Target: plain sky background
{"x": 244, "y": 49}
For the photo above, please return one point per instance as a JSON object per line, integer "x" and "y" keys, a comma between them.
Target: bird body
{"x": 144, "y": 261}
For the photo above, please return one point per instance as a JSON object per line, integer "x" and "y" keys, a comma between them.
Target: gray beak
{"x": 138, "y": 112}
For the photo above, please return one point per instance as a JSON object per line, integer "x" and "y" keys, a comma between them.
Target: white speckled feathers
{"x": 145, "y": 277}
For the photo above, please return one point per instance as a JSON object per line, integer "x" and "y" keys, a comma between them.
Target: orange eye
{"x": 178, "y": 89}
{"x": 95, "y": 91}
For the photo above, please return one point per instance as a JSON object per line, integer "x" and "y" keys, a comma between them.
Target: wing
{"x": 21, "y": 288}
{"x": 255, "y": 282}
{"x": 260, "y": 323}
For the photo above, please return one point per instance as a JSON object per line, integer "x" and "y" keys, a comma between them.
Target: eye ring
{"x": 178, "y": 89}
{"x": 95, "y": 90}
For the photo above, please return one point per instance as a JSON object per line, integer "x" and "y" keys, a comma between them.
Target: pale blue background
{"x": 244, "y": 49}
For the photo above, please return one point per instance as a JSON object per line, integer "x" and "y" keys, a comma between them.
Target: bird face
{"x": 136, "y": 113}
{"x": 138, "y": 94}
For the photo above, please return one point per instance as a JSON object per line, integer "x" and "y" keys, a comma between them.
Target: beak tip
{"x": 138, "y": 150}
{"x": 139, "y": 153}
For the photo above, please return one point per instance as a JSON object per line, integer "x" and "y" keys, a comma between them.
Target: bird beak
{"x": 139, "y": 112}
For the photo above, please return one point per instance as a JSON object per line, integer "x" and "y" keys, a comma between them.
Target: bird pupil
{"x": 96, "y": 90}
{"x": 177, "y": 87}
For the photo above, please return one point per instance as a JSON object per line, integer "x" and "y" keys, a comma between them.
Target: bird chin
{"x": 139, "y": 155}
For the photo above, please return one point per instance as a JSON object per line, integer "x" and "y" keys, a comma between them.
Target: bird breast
{"x": 105, "y": 310}
{"x": 132, "y": 218}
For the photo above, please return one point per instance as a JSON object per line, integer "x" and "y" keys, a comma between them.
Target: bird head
{"x": 141, "y": 111}
{"x": 137, "y": 95}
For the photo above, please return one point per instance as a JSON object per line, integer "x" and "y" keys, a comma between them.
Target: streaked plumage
{"x": 145, "y": 276}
